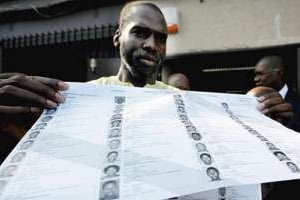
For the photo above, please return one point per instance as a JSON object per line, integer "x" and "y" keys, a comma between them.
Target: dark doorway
{"x": 230, "y": 71}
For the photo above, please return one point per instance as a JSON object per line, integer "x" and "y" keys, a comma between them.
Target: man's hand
{"x": 22, "y": 99}
{"x": 274, "y": 106}
{"x": 20, "y": 93}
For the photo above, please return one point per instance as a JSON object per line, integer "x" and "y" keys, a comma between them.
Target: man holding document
{"x": 141, "y": 39}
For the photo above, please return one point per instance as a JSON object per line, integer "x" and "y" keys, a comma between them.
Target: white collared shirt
{"x": 283, "y": 91}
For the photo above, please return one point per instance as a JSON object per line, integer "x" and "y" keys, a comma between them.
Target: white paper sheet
{"x": 132, "y": 143}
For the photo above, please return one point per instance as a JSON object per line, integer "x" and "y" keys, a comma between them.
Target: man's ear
{"x": 280, "y": 72}
{"x": 116, "y": 38}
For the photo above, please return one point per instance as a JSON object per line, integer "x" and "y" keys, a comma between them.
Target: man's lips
{"x": 148, "y": 60}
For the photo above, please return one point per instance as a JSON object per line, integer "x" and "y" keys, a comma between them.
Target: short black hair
{"x": 112, "y": 152}
{"x": 273, "y": 62}
{"x": 109, "y": 182}
{"x": 113, "y": 166}
{"x": 127, "y": 8}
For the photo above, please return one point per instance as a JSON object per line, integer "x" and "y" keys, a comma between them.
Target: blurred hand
{"x": 20, "y": 93}
{"x": 22, "y": 98}
{"x": 274, "y": 106}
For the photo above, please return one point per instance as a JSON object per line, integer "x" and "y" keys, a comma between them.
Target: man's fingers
{"x": 281, "y": 113}
{"x": 35, "y": 85}
{"x": 274, "y": 106}
{"x": 270, "y": 102}
{"x": 54, "y": 83}
{"x": 43, "y": 89}
{"x": 24, "y": 98}
{"x": 286, "y": 115}
{"x": 279, "y": 108}
{"x": 10, "y": 110}
{"x": 268, "y": 96}
{"x": 8, "y": 75}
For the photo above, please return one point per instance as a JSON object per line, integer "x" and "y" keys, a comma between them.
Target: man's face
{"x": 281, "y": 156}
{"x": 213, "y": 173}
{"x": 206, "y": 159}
{"x": 191, "y": 128}
{"x": 114, "y": 144}
{"x": 116, "y": 123}
{"x": 110, "y": 189}
{"x": 196, "y": 136}
{"x": 142, "y": 42}
{"x": 271, "y": 145}
{"x": 293, "y": 167}
{"x": 112, "y": 157}
{"x": 201, "y": 147}
{"x": 111, "y": 171}
{"x": 18, "y": 157}
{"x": 115, "y": 132}
{"x": 222, "y": 191}
{"x": 264, "y": 76}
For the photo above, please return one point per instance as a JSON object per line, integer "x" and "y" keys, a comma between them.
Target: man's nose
{"x": 150, "y": 43}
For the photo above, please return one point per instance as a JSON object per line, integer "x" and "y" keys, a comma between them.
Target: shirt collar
{"x": 283, "y": 91}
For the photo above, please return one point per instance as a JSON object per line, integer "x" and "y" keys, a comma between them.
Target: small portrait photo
{"x": 247, "y": 127}
{"x": 271, "y": 146}
{"x": 280, "y": 155}
{"x": 180, "y": 109}
{"x": 183, "y": 117}
{"x": 225, "y": 105}
{"x": 179, "y": 102}
{"x": 262, "y": 138}
{"x": 114, "y": 144}
{"x": 115, "y": 132}
{"x": 116, "y": 116}
{"x": 294, "y": 168}
{"x": 8, "y": 171}
{"x": 196, "y": 136}
{"x": 119, "y": 106}
{"x": 190, "y": 128}
{"x": 253, "y": 132}
{"x": 46, "y": 118}
{"x": 112, "y": 156}
{"x": 206, "y": 158}
{"x": 119, "y": 99}
{"x": 177, "y": 96}
{"x": 222, "y": 192}
{"x": 40, "y": 125}
{"x": 18, "y": 157}
{"x": 213, "y": 173}
{"x": 50, "y": 111}
{"x": 200, "y": 147}
{"x": 34, "y": 134}
{"x": 26, "y": 145}
{"x": 111, "y": 170}
{"x": 118, "y": 111}
{"x": 109, "y": 190}
{"x": 115, "y": 123}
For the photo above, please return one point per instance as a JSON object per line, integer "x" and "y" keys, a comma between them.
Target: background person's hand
{"x": 274, "y": 106}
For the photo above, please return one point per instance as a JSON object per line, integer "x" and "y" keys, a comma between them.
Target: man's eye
{"x": 141, "y": 33}
{"x": 162, "y": 38}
